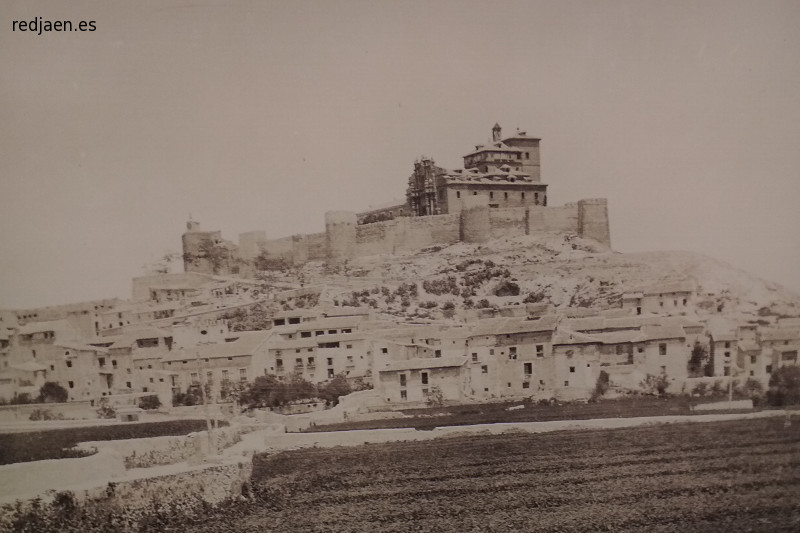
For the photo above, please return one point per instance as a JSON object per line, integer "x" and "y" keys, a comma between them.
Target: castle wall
{"x": 561, "y": 219}
{"x": 344, "y": 239}
{"x": 427, "y": 231}
{"x": 282, "y": 247}
{"x": 508, "y": 222}
{"x": 250, "y": 244}
{"x": 317, "y": 246}
{"x": 377, "y": 238}
{"x": 593, "y": 220}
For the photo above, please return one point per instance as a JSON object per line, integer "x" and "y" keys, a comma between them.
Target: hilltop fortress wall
{"x": 345, "y": 239}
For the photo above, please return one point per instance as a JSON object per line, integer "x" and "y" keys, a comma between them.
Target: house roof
{"x": 652, "y": 333}
{"x": 670, "y": 287}
{"x": 420, "y": 363}
{"x": 779, "y": 334}
{"x": 247, "y": 343}
{"x": 29, "y": 366}
{"x": 507, "y": 326}
{"x": 566, "y": 337}
{"x": 45, "y": 325}
{"x": 81, "y": 347}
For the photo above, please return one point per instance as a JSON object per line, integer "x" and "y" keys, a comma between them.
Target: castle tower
{"x": 340, "y": 235}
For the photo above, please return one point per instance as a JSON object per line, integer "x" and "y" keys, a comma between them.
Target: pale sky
{"x": 264, "y": 115}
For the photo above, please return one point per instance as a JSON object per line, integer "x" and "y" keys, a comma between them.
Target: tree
{"x": 434, "y": 397}
{"x": 216, "y": 254}
{"x": 333, "y": 389}
{"x": 601, "y": 386}
{"x": 784, "y": 386}
{"x": 265, "y": 391}
{"x": 698, "y": 360}
{"x": 53, "y": 392}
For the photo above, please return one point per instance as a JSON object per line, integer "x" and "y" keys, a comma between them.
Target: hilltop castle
{"x": 498, "y": 193}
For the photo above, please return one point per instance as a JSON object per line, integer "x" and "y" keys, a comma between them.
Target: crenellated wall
{"x": 345, "y": 239}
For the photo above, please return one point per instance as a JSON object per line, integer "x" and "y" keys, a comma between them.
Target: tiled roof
{"x": 423, "y": 363}
{"x": 246, "y": 344}
{"x": 652, "y": 333}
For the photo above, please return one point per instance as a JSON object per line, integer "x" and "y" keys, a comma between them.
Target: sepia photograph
{"x": 436, "y": 266}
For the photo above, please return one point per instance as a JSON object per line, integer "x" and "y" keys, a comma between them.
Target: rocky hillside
{"x": 556, "y": 270}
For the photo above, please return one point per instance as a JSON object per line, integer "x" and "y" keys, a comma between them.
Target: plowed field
{"x": 728, "y": 476}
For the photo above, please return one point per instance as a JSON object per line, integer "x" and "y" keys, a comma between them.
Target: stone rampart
{"x": 508, "y": 222}
{"x": 345, "y": 239}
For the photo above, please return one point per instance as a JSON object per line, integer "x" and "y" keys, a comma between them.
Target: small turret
{"x": 497, "y": 133}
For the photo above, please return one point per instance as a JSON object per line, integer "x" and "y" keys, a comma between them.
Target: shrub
{"x": 53, "y": 392}
{"x": 784, "y": 386}
{"x": 483, "y": 304}
{"x": 700, "y": 389}
{"x": 45, "y": 414}
{"x": 104, "y": 410}
{"x": 149, "y": 402}
{"x": 507, "y": 288}
{"x": 434, "y": 397}
{"x": 655, "y": 384}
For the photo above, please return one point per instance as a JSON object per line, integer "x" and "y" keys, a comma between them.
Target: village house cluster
{"x": 173, "y": 335}
{"x": 123, "y": 349}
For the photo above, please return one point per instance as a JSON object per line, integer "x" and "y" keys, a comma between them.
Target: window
{"x": 540, "y": 350}
{"x": 402, "y": 380}
{"x": 69, "y": 364}
{"x": 526, "y": 384}
{"x": 403, "y": 395}
{"x": 384, "y": 350}
{"x": 71, "y": 385}
{"x": 727, "y": 354}
{"x": 727, "y": 371}
{"x": 294, "y": 320}
{"x": 491, "y": 351}
{"x": 128, "y": 384}
{"x": 528, "y": 367}
{"x": 640, "y": 349}
{"x": 297, "y": 350}
{"x": 572, "y": 369}
{"x": 505, "y": 194}
{"x": 512, "y": 352}
{"x": 424, "y": 378}
{"x": 279, "y": 321}
{"x": 685, "y": 301}
{"x": 298, "y": 362}
{"x": 305, "y": 334}
{"x": 349, "y": 346}
{"x": 474, "y": 193}
{"x": 566, "y": 383}
{"x": 491, "y": 195}
{"x": 458, "y": 194}
{"x": 242, "y": 374}
{"x": 330, "y": 372}
{"x": 474, "y": 356}
{"x": 752, "y": 359}
{"x": 52, "y": 367}
{"x": 330, "y": 361}
{"x": 310, "y": 361}
{"x": 347, "y": 330}
{"x": 278, "y": 364}
{"x": 769, "y": 369}
{"x": 523, "y": 195}
{"x": 331, "y": 332}
{"x": 662, "y": 348}
{"x": 437, "y": 353}
{"x": 484, "y": 369}
{"x": 350, "y": 359}
{"x": 101, "y": 361}
{"x": 728, "y": 344}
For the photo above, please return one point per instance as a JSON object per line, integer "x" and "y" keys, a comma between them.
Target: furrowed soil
{"x": 730, "y": 476}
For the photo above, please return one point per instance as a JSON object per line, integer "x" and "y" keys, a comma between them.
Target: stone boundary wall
{"x": 154, "y": 451}
{"x": 79, "y": 410}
